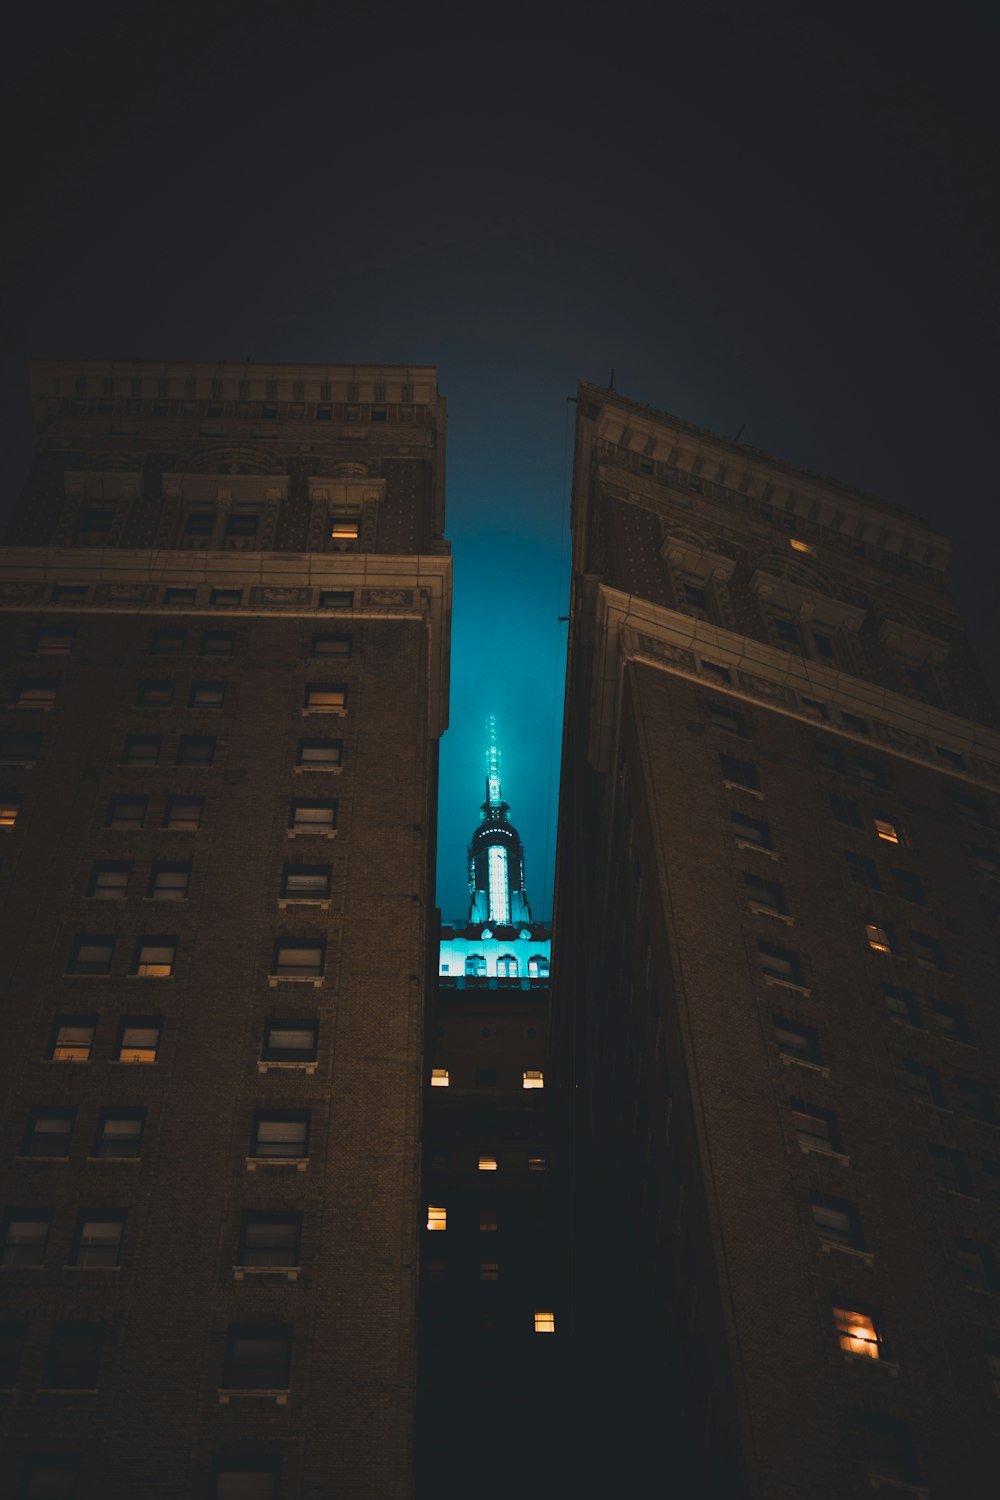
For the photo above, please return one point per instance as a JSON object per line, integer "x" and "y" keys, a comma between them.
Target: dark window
{"x": 829, "y": 757}
{"x": 97, "y": 519}
{"x": 20, "y": 747}
{"x": 218, "y": 642}
{"x": 740, "y": 772}
{"x": 36, "y": 692}
{"x": 71, "y": 1039}
{"x": 109, "y": 879}
{"x": 836, "y": 1219}
{"x": 306, "y": 882}
{"x": 258, "y": 1357}
{"x": 184, "y": 814}
{"x": 722, "y": 716}
{"x": 245, "y": 1479}
{"x": 141, "y": 749}
{"x": 486, "y": 1078}
{"x": 119, "y": 1133}
{"x": 824, "y": 646}
{"x": 242, "y": 525}
{"x": 815, "y": 1128}
{"x": 269, "y": 1239}
{"x": 979, "y": 1265}
{"x": 280, "y": 1135}
{"x": 92, "y": 953}
{"x": 887, "y": 1447}
{"x": 854, "y": 722}
{"x": 901, "y": 1005}
{"x": 948, "y": 1169}
{"x": 54, "y": 640}
{"x": 815, "y": 709}
{"x": 158, "y": 694}
{"x": 796, "y": 1040}
{"x": 12, "y": 1336}
{"x": 786, "y": 634}
{"x": 298, "y": 958}
{"x": 182, "y": 596}
{"x": 929, "y": 952}
{"x": 330, "y": 645}
{"x": 74, "y": 1357}
{"x": 290, "y": 1041}
{"x": 845, "y": 811}
{"x": 167, "y": 642}
{"x": 949, "y": 1020}
{"x": 988, "y": 861}
{"x": 226, "y": 598}
{"x": 169, "y": 882}
{"x": 195, "y": 750}
{"x": 138, "y": 1039}
{"x": 207, "y": 694}
{"x": 950, "y": 758}
{"x": 766, "y": 893}
{"x": 909, "y": 886}
{"x": 976, "y": 1100}
{"x": 312, "y": 817}
{"x": 97, "y": 1240}
{"x": 872, "y": 772}
{"x": 969, "y": 808}
{"x": 336, "y": 598}
{"x": 923, "y": 1082}
{"x": 69, "y": 593}
{"x": 127, "y": 812}
{"x": 324, "y": 413}
{"x": 863, "y": 871}
{"x": 154, "y": 956}
{"x": 716, "y": 672}
{"x": 25, "y": 1236}
{"x": 320, "y": 755}
{"x": 751, "y": 830}
{"x": 780, "y": 963}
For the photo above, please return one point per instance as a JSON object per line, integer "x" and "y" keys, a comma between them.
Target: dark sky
{"x": 777, "y": 216}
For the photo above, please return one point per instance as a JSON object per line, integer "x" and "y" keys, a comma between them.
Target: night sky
{"x": 779, "y": 218}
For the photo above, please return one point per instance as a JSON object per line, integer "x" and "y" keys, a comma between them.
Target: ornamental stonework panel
{"x": 18, "y": 592}
{"x": 125, "y": 593}
{"x": 276, "y": 597}
{"x": 771, "y": 692}
{"x": 387, "y": 598}
{"x": 677, "y": 656}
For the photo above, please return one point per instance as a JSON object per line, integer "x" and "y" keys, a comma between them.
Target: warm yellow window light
{"x": 8, "y": 814}
{"x": 344, "y": 528}
{"x": 856, "y": 1332}
{"x": 878, "y": 938}
{"x": 545, "y": 1322}
{"x": 439, "y": 1078}
{"x": 886, "y": 829}
{"x": 532, "y": 1080}
{"x": 437, "y": 1218}
{"x": 799, "y": 546}
{"x": 487, "y": 1164}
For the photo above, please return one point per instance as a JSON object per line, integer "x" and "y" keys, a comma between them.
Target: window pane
{"x": 139, "y": 1042}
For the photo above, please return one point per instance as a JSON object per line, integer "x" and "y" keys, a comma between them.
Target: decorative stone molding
{"x": 916, "y": 645}
{"x": 804, "y": 602}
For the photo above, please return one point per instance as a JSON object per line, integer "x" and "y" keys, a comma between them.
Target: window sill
{"x": 828, "y": 1247}
{"x": 64, "y": 1062}
{"x": 737, "y": 786}
{"x": 942, "y": 1109}
{"x": 93, "y": 896}
{"x": 300, "y": 1163}
{"x": 315, "y": 833}
{"x": 811, "y": 1150}
{"x": 72, "y": 1267}
{"x": 788, "y": 984}
{"x": 275, "y": 979}
{"x": 73, "y": 974}
{"x": 336, "y": 713}
{"x": 280, "y": 1398}
{"x": 285, "y": 901}
{"x": 67, "y": 1390}
{"x": 757, "y": 848}
{"x": 326, "y": 770}
{"x": 804, "y": 1062}
{"x": 884, "y": 1481}
{"x": 769, "y": 911}
{"x": 150, "y": 978}
{"x": 888, "y": 1365}
{"x": 177, "y": 828}
{"x": 982, "y": 1291}
{"x": 290, "y": 1273}
{"x": 267, "y": 1066}
{"x": 116, "y": 1161}
{"x": 165, "y": 900}
{"x": 124, "y": 1062}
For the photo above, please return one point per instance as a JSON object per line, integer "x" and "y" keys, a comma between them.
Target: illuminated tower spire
{"x": 496, "y": 855}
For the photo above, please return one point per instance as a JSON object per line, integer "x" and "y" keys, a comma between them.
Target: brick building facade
{"x": 776, "y": 945}
{"x": 225, "y": 607}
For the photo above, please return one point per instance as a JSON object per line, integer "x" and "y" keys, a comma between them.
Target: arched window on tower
{"x": 475, "y": 966}
{"x": 506, "y": 966}
{"x": 538, "y": 967}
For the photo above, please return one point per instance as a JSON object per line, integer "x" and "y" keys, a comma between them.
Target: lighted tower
{"x": 496, "y": 856}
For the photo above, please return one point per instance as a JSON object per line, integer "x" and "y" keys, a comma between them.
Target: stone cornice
{"x": 51, "y": 379}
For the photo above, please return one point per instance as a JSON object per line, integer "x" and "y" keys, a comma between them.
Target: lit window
{"x": 797, "y": 545}
{"x": 98, "y": 1238}
{"x": 55, "y": 640}
{"x": 506, "y": 966}
{"x": 739, "y": 773}
{"x": 290, "y": 1041}
{"x": 330, "y": 645}
{"x": 73, "y": 1361}
{"x": 475, "y": 966}
{"x": 497, "y": 880}
{"x": 258, "y": 1358}
{"x": 297, "y": 958}
{"x": 325, "y": 698}
{"x": 836, "y": 1220}
{"x": 487, "y": 1220}
{"x": 154, "y": 957}
{"x": 880, "y": 937}
{"x": 280, "y": 1135}
{"x": 127, "y": 813}
{"x": 306, "y": 882}
{"x": 887, "y": 828}
{"x": 25, "y": 1236}
{"x": 437, "y": 1218}
{"x": 10, "y": 806}
{"x": 269, "y": 1239}
{"x": 36, "y": 692}
{"x": 207, "y": 694}
{"x": 487, "y": 1164}
{"x": 857, "y": 1332}
{"x": 169, "y": 882}
{"x": 72, "y": 1039}
{"x": 797, "y": 1041}
{"x": 320, "y": 755}
{"x": 532, "y": 1079}
{"x": 138, "y": 1039}
{"x": 92, "y": 953}
{"x": 218, "y": 642}
{"x": 901, "y": 1005}
{"x": 167, "y": 642}
{"x": 538, "y": 967}
{"x": 49, "y": 1130}
{"x": 109, "y": 880}
{"x": 312, "y": 817}
{"x": 119, "y": 1133}
{"x": 440, "y": 1078}
{"x": 195, "y": 750}
{"x": 183, "y": 814}
{"x": 536, "y": 1164}
{"x": 345, "y": 529}
{"x": 545, "y": 1322}
{"x": 158, "y": 694}
{"x": 489, "y": 1270}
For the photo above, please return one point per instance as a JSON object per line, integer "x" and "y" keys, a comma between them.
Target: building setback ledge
{"x": 280, "y": 1398}
{"x": 830, "y": 1247}
{"x": 300, "y": 1163}
{"x": 290, "y": 1273}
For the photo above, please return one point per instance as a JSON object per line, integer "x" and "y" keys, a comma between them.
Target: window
{"x": 440, "y": 1078}
{"x": 207, "y": 694}
{"x": 312, "y": 817}
{"x": 324, "y": 698}
{"x": 330, "y": 645}
{"x": 290, "y": 1041}
{"x": 988, "y": 861}
{"x": 815, "y": 709}
{"x": 344, "y": 529}
{"x": 506, "y": 966}
{"x": 780, "y": 964}
{"x": 993, "y": 1364}
{"x": 489, "y": 1270}
{"x": 858, "y": 1331}
{"x": 976, "y": 1100}
{"x": 71, "y": 1039}
{"x": 750, "y": 831}
{"x": 154, "y": 957}
{"x": 258, "y": 1357}
{"x": 269, "y": 1239}
{"x": 54, "y": 640}
{"x": 138, "y": 1039}
{"x": 226, "y": 598}
{"x": 765, "y": 895}
{"x": 280, "y": 1135}
{"x": 195, "y": 750}
{"x": 929, "y": 952}
{"x": 487, "y": 1164}
{"x": 336, "y": 598}
{"x": 98, "y": 1237}
{"x": 854, "y": 722}
{"x": 10, "y": 806}
{"x": 92, "y": 953}
{"x": 901, "y": 1005}
{"x": 199, "y": 523}
{"x": 141, "y": 749}
{"x": 863, "y": 871}
{"x": 25, "y": 1236}
{"x": 545, "y": 1322}
{"x": 119, "y": 1133}
{"x": 486, "y": 1078}
{"x": 828, "y": 756}
{"x": 815, "y": 1128}
{"x": 948, "y": 1169}
{"x": 183, "y": 814}
{"x": 182, "y": 596}
{"x": 823, "y": 645}
{"x": 306, "y": 882}
{"x": 717, "y": 672}
{"x": 127, "y": 813}
{"x": 881, "y": 937}
{"x": 437, "y": 1218}
{"x": 109, "y": 880}
{"x": 320, "y": 755}
{"x": 797, "y": 1041}
{"x": 20, "y": 748}
{"x": 923, "y": 1083}
{"x": 74, "y": 1356}
{"x": 169, "y": 641}
{"x": 246, "y": 1479}
{"x": 888, "y": 829}
{"x": 722, "y": 716}
{"x": 69, "y": 593}
{"x": 241, "y": 526}
{"x": 218, "y": 642}
{"x": 739, "y": 773}
{"x": 872, "y": 772}
{"x": 12, "y": 1337}
{"x": 908, "y": 886}
{"x": 950, "y": 758}
{"x": 785, "y": 633}
{"x": 475, "y": 966}
{"x": 845, "y": 811}
{"x": 538, "y": 967}
{"x": 169, "y": 882}
{"x": 887, "y": 1447}
{"x": 158, "y": 694}
{"x": 536, "y": 1164}
{"x": 36, "y": 692}
{"x": 978, "y": 1264}
{"x": 488, "y": 1221}
{"x": 532, "y": 1079}
{"x": 950, "y": 1022}
{"x": 298, "y": 958}
{"x": 836, "y": 1220}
